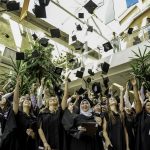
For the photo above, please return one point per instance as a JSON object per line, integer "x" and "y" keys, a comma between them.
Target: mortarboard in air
{"x": 90, "y": 28}
{"x": 44, "y": 2}
{"x": 20, "y": 56}
{"x": 90, "y": 6}
{"x": 55, "y": 33}
{"x": 34, "y": 36}
{"x": 44, "y": 42}
{"x": 107, "y": 46}
{"x": 105, "y": 67}
{"x": 79, "y": 27}
{"x": 74, "y": 38}
{"x": 79, "y": 74}
{"x": 91, "y": 72}
{"x": 96, "y": 87}
{"x": 80, "y": 91}
{"x": 130, "y": 30}
{"x": 13, "y": 5}
{"x": 81, "y": 15}
{"x": 39, "y": 11}
{"x": 58, "y": 70}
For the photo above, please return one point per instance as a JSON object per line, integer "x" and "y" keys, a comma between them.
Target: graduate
{"x": 114, "y": 130}
{"x": 49, "y": 122}
{"x": 83, "y": 138}
{"x": 21, "y": 126}
{"x": 142, "y": 123}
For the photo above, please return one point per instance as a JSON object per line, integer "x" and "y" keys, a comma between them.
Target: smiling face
{"x": 53, "y": 104}
{"x": 97, "y": 108}
{"x": 112, "y": 101}
{"x": 85, "y": 106}
{"x": 147, "y": 107}
{"x": 26, "y": 103}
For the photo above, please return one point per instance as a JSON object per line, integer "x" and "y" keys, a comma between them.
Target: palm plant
{"x": 141, "y": 66}
{"x": 37, "y": 65}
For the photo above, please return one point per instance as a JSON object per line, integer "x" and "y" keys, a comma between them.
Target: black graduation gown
{"x": 67, "y": 122}
{"x": 129, "y": 123}
{"x": 143, "y": 131}
{"x": 15, "y": 136}
{"x": 9, "y": 137}
{"x": 116, "y": 133}
{"x": 23, "y": 123}
{"x": 52, "y": 128}
{"x": 81, "y": 141}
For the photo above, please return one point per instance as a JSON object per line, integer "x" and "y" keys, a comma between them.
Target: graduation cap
{"x": 91, "y": 72}
{"x": 80, "y": 91}
{"x": 82, "y": 69}
{"x": 20, "y": 56}
{"x": 44, "y": 2}
{"x": 90, "y": 28}
{"x": 74, "y": 38}
{"x": 90, "y": 6}
{"x": 4, "y": 1}
{"x": 105, "y": 82}
{"x": 130, "y": 30}
{"x": 34, "y": 36}
{"x": 55, "y": 33}
{"x": 71, "y": 60}
{"x": 58, "y": 90}
{"x": 35, "y": 53}
{"x": 13, "y": 5}
{"x": 44, "y": 42}
{"x": 58, "y": 70}
{"x": 39, "y": 11}
{"x": 88, "y": 80}
{"x": 79, "y": 27}
{"x": 96, "y": 87}
{"x": 105, "y": 67}
{"x": 107, "y": 46}
{"x": 80, "y": 15}
{"x": 79, "y": 74}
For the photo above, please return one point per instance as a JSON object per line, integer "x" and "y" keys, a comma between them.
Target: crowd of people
{"x": 82, "y": 121}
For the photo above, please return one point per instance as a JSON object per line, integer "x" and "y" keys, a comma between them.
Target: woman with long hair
{"x": 114, "y": 130}
{"x": 21, "y": 126}
{"x": 142, "y": 123}
{"x": 49, "y": 122}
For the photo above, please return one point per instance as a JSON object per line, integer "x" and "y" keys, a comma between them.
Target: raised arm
{"x": 126, "y": 97}
{"x": 64, "y": 100}
{"x": 43, "y": 139}
{"x": 105, "y": 135}
{"x": 39, "y": 93}
{"x": 16, "y": 97}
{"x": 138, "y": 105}
{"x": 121, "y": 106}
